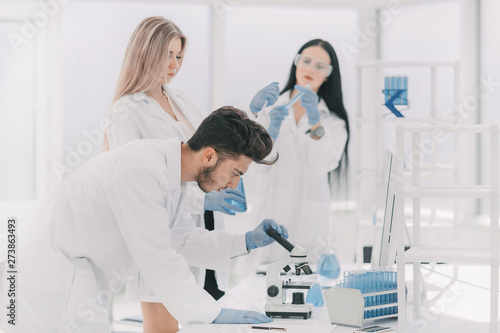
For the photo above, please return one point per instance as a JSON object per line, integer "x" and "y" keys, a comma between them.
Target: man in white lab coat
{"x": 122, "y": 212}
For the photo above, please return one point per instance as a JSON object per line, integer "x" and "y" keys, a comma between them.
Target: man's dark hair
{"x": 231, "y": 133}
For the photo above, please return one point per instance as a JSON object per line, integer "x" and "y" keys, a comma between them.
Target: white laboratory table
{"x": 249, "y": 294}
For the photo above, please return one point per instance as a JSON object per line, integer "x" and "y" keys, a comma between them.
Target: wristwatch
{"x": 317, "y": 133}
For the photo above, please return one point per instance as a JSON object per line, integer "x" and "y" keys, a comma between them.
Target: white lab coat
{"x": 295, "y": 191}
{"x": 138, "y": 116}
{"x": 119, "y": 213}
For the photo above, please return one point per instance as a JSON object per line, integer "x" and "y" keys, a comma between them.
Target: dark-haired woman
{"x": 311, "y": 137}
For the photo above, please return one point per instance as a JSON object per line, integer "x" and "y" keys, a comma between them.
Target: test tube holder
{"x": 346, "y": 306}
{"x": 396, "y": 93}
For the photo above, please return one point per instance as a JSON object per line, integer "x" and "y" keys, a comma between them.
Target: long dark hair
{"x": 330, "y": 91}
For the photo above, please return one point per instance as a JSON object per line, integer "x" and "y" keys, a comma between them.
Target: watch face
{"x": 318, "y": 132}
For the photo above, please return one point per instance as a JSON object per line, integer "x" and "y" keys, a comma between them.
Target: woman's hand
{"x": 269, "y": 93}
{"x": 309, "y": 101}
{"x": 277, "y": 115}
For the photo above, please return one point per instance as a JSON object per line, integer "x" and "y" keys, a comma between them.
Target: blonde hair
{"x": 147, "y": 55}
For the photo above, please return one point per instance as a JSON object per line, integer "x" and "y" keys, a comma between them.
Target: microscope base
{"x": 289, "y": 311}
{"x": 303, "y": 315}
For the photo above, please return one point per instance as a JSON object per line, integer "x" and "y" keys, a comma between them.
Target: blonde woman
{"x": 146, "y": 107}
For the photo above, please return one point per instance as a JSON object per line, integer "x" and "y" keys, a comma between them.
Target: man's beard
{"x": 204, "y": 178}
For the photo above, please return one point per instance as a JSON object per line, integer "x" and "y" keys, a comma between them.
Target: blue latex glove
{"x": 232, "y": 316}
{"x": 277, "y": 114}
{"x": 216, "y": 201}
{"x": 269, "y": 93}
{"x": 259, "y": 238}
{"x": 309, "y": 101}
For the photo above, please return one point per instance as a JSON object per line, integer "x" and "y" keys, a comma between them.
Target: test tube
{"x": 394, "y": 85}
{"x": 405, "y": 90}
{"x": 296, "y": 98}
{"x": 386, "y": 287}
{"x": 389, "y": 286}
{"x": 387, "y": 86}
{"x": 368, "y": 300}
{"x": 365, "y": 286}
{"x": 374, "y": 289}
{"x": 377, "y": 289}
{"x": 368, "y": 290}
{"x": 359, "y": 280}
{"x": 395, "y": 294}
{"x": 403, "y": 98}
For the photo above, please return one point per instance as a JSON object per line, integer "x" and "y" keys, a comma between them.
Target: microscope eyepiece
{"x": 280, "y": 239}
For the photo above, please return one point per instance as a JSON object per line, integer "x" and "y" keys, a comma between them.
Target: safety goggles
{"x": 302, "y": 61}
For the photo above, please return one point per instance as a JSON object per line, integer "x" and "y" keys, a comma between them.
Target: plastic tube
{"x": 295, "y": 98}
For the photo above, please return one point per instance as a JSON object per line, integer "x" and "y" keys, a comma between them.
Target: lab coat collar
{"x": 155, "y": 109}
{"x": 183, "y": 104}
{"x": 322, "y": 107}
{"x": 138, "y": 96}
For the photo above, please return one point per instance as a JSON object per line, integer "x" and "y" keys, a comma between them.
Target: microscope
{"x": 276, "y": 305}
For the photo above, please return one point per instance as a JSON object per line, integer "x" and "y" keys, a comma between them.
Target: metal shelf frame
{"x": 420, "y": 253}
{"x": 376, "y": 122}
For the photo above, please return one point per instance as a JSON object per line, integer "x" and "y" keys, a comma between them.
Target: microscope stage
{"x": 297, "y": 285}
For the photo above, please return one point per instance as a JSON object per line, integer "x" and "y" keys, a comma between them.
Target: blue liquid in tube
{"x": 243, "y": 206}
{"x": 387, "y": 86}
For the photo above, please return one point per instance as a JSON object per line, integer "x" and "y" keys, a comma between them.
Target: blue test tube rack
{"x": 363, "y": 296}
{"x": 396, "y": 93}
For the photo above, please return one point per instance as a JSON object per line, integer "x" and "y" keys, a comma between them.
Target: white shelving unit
{"x": 370, "y": 119}
{"x": 420, "y": 252}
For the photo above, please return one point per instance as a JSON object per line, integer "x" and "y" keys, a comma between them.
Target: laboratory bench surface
{"x": 249, "y": 294}
{"x": 460, "y": 305}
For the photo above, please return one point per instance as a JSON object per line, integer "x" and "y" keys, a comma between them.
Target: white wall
{"x": 489, "y": 87}
{"x": 17, "y": 116}
{"x": 490, "y": 60}
{"x": 426, "y": 31}
{"x": 262, "y": 41}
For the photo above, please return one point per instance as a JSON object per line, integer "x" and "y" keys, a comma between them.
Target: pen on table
{"x": 268, "y": 328}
